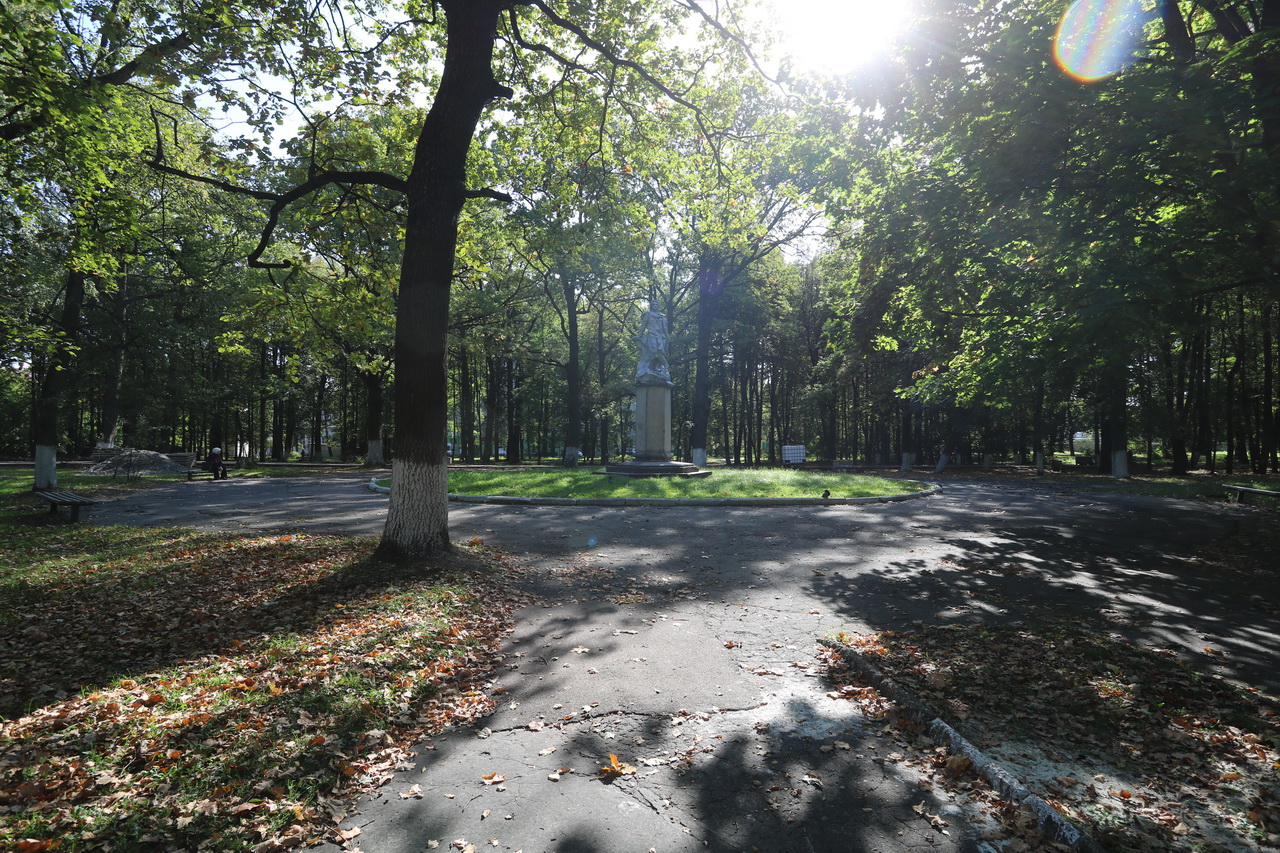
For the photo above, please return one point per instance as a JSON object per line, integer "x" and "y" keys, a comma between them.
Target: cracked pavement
{"x": 681, "y": 641}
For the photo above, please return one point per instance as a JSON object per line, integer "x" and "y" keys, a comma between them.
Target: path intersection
{"x": 680, "y": 643}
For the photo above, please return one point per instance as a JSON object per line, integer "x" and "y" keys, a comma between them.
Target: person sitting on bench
{"x": 215, "y": 464}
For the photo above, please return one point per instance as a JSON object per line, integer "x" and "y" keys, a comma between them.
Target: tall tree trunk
{"x": 492, "y": 404}
{"x": 514, "y": 454}
{"x": 375, "y": 456}
{"x": 572, "y": 374}
{"x": 418, "y": 515}
{"x": 710, "y": 287}
{"x": 1268, "y": 393}
{"x": 115, "y": 369}
{"x": 58, "y": 374}
{"x": 908, "y": 447}
{"x": 466, "y": 405}
{"x": 317, "y": 422}
{"x": 602, "y": 379}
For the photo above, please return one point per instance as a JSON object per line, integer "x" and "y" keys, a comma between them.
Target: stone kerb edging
{"x": 1054, "y": 826}
{"x": 933, "y": 489}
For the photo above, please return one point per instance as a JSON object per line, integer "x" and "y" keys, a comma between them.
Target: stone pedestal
{"x": 653, "y": 423}
{"x": 653, "y": 438}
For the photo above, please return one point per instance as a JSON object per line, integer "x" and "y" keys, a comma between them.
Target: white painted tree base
{"x": 46, "y": 467}
{"x": 418, "y": 515}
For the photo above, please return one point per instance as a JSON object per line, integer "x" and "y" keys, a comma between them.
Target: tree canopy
{"x": 404, "y": 230}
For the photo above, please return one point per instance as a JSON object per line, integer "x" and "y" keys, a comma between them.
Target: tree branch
{"x": 280, "y": 201}
{"x": 724, "y": 31}
{"x": 149, "y": 55}
{"x": 605, "y": 51}
{"x": 496, "y": 195}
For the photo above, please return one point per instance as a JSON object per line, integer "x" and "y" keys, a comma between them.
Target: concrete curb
{"x": 934, "y": 489}
{"x": 1054, "y": 826}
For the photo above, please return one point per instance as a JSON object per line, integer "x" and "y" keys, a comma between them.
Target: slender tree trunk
{"x": 57, "y": 377}
{"x": 710, "y": 286}
{"x": 374, "y": 396}
{"x": 107, "y": 428}
{"x": 1268, "y": 455}
{"x": 317, "y": 422}
{"x": 418, "y": 515}
{"x": 572, "y": 374}
{"x": 492, "y": 400}
{"x": 908, "y": 451}
{"x": 466, "y": 406}
{"x": 602, "y": 379}
{"x": 514, "y": 454}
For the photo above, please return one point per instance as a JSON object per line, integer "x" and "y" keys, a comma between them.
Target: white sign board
{"x": 792, "y": 453}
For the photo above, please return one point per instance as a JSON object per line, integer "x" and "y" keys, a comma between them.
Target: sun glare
{"x": 835, "y": 36}
{"x": 1098, "y": 38}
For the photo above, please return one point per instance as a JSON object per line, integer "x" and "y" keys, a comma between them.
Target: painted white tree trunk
{"x": 1039, "y": 462}
{"x": 376, "y": 458}
{"x": 418, "y": 515}
{"x": 1120, "y": 464}
{"x": 571, "y": 457}
{"x": 986, "y": 462}
{"x": 943, "y": 461}
{"x": 700, "y": 457}
{"x": 46, "y": 467}
{"x": 908, "y": 461}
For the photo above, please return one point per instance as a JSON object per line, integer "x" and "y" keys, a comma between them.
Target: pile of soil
{"x": 136, "y": 463}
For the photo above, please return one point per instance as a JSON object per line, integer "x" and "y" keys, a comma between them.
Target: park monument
{"x": 653, "y": 406}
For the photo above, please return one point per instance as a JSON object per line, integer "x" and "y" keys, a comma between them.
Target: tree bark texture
{"x": 710, "y": 286}
{"x": 572, "y": 374}
{"x": 418, "y": 516}
{"x": 45, "y": 419}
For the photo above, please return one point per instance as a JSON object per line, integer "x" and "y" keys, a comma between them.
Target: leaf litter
{"x": 1139, "y": 750}
{"x": 168, "y": 689}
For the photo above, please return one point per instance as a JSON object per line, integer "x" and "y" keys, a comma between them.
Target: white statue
{"x": 653, "y": 368}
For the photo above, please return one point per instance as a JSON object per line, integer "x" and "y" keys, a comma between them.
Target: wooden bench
{"x": 57, "y": 499}
{"x": 189, "y": 460}
{"x": 1238, "y": 494}
{"x": 194, "y": 472}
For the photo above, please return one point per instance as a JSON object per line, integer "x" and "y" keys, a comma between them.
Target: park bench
{"x": 1239, "y": 494}
{"x": 57, "y": 499}
{"x": 189, "y": 460}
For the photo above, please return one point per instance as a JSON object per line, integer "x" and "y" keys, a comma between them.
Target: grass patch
{"x": 1202, "y": 486}
{"x": 170, "y": 689}
{"x": 758, "y": 483}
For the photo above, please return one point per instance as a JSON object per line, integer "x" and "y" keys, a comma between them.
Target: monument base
{"x": 656, "y": 469}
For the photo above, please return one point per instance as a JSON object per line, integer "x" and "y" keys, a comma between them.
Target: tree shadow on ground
{"x": 84, "y": 625}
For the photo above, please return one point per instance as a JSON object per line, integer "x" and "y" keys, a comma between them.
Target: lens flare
{"x": 1097, "y": 38}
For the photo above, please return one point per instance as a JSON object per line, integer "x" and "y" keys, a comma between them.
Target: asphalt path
{"x": 681, "y": 640}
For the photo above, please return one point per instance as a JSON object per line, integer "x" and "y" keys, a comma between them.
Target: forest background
{"x": 961, "y": 250}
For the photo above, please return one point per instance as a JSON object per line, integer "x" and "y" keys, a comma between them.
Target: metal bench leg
{"x": 75, "y": 512}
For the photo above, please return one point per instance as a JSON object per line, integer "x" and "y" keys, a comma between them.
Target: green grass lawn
{"x": 723, "y": 483}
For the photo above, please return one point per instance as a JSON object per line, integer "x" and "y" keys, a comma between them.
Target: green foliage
{"x": 722, "y": 483}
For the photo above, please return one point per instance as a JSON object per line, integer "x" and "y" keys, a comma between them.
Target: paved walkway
{"x": 681, "y": 640}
